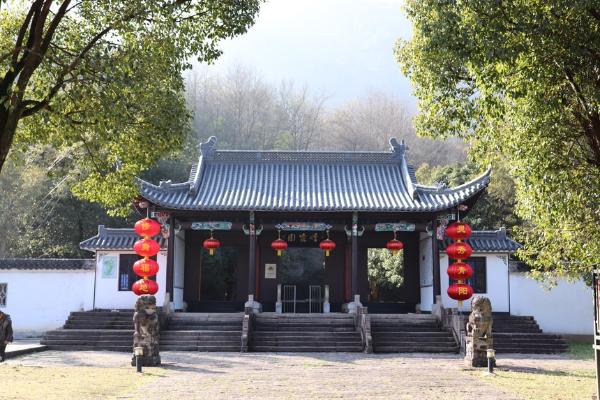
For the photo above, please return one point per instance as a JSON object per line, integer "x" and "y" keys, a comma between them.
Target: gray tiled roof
{"x": 47, "y": 263}
{"x": 115, "y": 239}
{"x": 306, "y": 181}
{"x": 488, "y": 242}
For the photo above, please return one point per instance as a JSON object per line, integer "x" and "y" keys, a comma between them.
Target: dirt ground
{"x": 214, "y": 376}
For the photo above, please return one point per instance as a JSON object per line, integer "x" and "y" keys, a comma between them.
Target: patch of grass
{"x": 581, "y": 350}
{"x": 543, "y": 384}
{"x": 25, "y": 382}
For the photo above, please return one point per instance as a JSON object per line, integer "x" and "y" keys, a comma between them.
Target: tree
{"x": 103, "y": 79}
{"x": 386, "y": 272}
{"x": 520, "y": 81}
{"x": 494, "y": 209}
{"x": 368, "y": 123}
{"x": 40, "y": 215}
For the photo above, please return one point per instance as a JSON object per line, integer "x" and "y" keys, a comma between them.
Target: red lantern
{"x": 147, "y": 227}
{"x": 145, "y": 267}
{"x": 279, "y": 245}
{"x": 146, "y": 247}
{"x": 458, "y": 231}
{"x": 211, "y": 244}
{"x": 394, "y": 246}
{"x": 460, "y": 291}
{"x": 144, "y": 286}
{"x": 327, "y": 245}
{"x": 459, "y": 250}
{"x": 459, "y": 271}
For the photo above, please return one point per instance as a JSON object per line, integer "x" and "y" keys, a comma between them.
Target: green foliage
{"x": 494, "y": 209}
{"x": 108, "y": 87}
{"x": 40, "y": 217}
{"x": 519, "y": 81}
{"x": 385, "y": 270}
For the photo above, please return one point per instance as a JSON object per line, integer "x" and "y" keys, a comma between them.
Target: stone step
{"x": 448, "y": 341}
{"x": 414, "y": 348}
{"x": 306, "y": 333}
{"x": 183, "y": 334}
{"x": 127, "y": 349}
{"x": 200, "y": 342}
{"x": 173, "y": 327}
{"x": 307, "y": 349}
{"x": 418, "y": 334}
{"x": 519, "y": 350}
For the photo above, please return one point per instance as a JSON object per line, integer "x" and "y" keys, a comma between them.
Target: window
{"x": 126, "y": 274}
{"x": 479, "y": 279}
{"x": 3, "y": 290}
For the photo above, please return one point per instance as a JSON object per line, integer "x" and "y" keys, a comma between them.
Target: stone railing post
{"x": 278, "y": 304}
{"x": 326, "y": 305}
{"x": 247, "y": 328}
{"x": 362, "y": 323}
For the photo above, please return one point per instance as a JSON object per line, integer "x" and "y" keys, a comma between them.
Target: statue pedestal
{"x": 476, "y": 352}
{"x": 147, "y": 331}
{"x": 253, "y": 305}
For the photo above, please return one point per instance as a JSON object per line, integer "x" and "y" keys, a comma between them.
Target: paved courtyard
{"x": 273, "y": 376}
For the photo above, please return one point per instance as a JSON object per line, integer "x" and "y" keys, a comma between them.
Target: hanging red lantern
{"x": 211, "y": 244}
{"x": 147, "y": 227}
{"x": 144, "y": 286}
{"x": 458, "y": 231}
{"x": 459, "y": 271}
{"x": 459, "y": 250}
{"x": 460, "y": 292}
{"x": 394, "y": 246}
{"x": 145, "y": 267}
{"x": 146, "y": 247}
{"x": 327, "y": 245}
{"x": 279, "y": 245}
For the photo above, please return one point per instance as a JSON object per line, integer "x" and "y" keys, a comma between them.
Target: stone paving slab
{"x": 20, "y": 347}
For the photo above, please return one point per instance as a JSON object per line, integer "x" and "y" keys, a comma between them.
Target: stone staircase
{"x": 410, "y": 333}
{"x": 202, "y": 332}
{"x": 305, "y": 333}
{"x": 93, "y": 330}
{"x": 522, "y": 334}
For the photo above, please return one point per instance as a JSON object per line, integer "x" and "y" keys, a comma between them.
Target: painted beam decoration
{"x": 211, "y": 226}
{"x": 303, "y": 226}
{"x": 395, "y": 227}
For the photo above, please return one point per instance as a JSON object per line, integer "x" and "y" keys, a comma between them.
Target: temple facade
{"x": 248, "y": 199}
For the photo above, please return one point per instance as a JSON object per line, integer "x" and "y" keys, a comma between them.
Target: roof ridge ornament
{"x": 208, "y": 149}
{"x": 399, "y": 149}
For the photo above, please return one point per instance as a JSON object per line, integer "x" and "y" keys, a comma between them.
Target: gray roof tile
{"x": 306, "y": 181}
{"x": 115, "y": 239}
{"x": 47, "y": 263}
{"x": 488, "y": 242}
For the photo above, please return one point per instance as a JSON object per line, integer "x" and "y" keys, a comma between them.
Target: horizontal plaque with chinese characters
{"x": 303, "y": 226}
{"x": 395, "y": 227}
{"x": 211, "y": 226}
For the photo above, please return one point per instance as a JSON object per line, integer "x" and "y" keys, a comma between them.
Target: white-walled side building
{"x": 39, "y": 294}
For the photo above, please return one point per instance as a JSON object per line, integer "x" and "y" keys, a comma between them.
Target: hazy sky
{"x": 338, "y": 48}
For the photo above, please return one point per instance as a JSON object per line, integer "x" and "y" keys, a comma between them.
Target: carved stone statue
{"x": 479, "y": 332}
{"x": 147, "y": 330}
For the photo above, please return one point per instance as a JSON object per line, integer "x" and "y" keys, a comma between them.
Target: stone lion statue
{"x": 479, "y": 332}
{"x": 146, "y": 330}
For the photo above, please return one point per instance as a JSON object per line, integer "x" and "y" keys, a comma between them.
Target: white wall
{"x": 108, "y": 295}
{"x": 497, "y": 282}
{"x": 178, "y": 271}
{"x": 41, "y": 300}
{"x": 566, "y": 309}
{"x": 426, "y": 271}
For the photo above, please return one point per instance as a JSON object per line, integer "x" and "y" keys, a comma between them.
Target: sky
{"x": 340, "y": 49}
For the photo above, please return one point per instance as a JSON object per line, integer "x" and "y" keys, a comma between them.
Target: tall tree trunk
{"x": 8, "y": 126}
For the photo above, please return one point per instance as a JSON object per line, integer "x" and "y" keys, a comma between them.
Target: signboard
{"x": 303, "y": 226}
{"x": 395, "y": 227}
{"x": 270, "y": 271}
{"x": 108, "y": 266}
{"x": 211, "y": 226}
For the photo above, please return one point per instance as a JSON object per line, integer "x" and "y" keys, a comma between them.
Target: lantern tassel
{"x": 211, "y": 252}
{"x": 279, "y": 253}
{"x": 326, "y": 253}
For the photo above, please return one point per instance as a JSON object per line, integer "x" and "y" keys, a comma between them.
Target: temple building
{"x": 248, "y": 199}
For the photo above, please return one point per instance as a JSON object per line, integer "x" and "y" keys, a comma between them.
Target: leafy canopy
{"x": 520, "y": 81}
{"x": 102, "y": 79}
